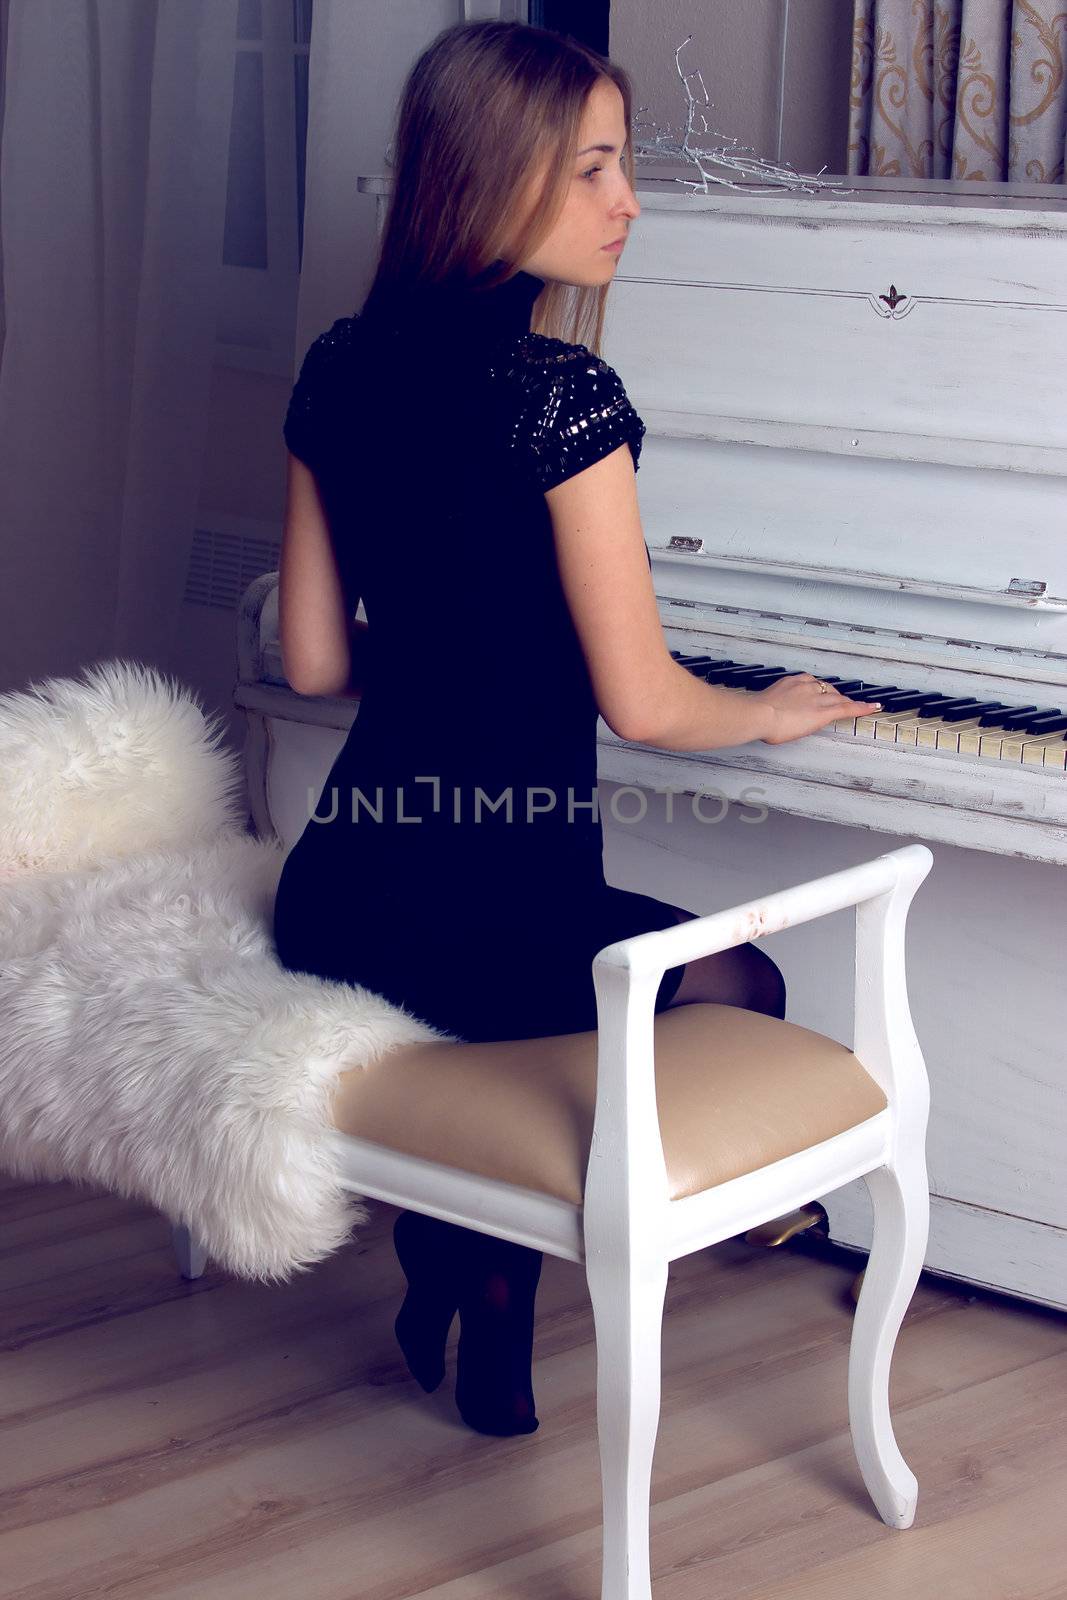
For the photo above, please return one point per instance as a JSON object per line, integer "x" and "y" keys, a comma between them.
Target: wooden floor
{"x": 228, "y": 1441}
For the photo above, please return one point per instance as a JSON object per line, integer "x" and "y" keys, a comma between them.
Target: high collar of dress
{"x": 463, "y": 310}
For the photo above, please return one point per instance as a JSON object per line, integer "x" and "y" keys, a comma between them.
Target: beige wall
{"x": 737, "y": 46}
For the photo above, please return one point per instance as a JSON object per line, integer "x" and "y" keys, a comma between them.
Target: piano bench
{"x": 768, "y": 1089}
{"x": 655, "y": 1136}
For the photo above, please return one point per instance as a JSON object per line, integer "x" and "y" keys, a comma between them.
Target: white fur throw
{"x": 150, "y": 1040}
{"x": 117, "y": 760}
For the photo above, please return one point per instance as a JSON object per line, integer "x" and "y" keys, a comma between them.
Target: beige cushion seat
{"x": 736, "y": 1090}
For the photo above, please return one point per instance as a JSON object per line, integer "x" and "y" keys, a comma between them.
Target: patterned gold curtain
{"x": 959, "y": 89}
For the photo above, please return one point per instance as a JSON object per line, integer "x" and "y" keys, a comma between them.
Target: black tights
{"x": 492, "y": 1282}
{"x": 744, "y": 976}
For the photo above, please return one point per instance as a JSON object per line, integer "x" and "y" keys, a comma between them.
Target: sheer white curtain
{"x": 358, "y": 66}
{"x": 113, "y": 169}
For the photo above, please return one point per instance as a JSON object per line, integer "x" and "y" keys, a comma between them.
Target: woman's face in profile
{"x": 600, "y": 205}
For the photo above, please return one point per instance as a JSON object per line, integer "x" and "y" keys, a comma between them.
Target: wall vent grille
{"x": 222, "y": 565}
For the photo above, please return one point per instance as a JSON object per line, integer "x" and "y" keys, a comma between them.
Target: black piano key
{"x": 857, "y": 689}
{"x": 729, "y": 674}
{"x": 700, "y": 668}
{"x": 1047, "y": 724}
{"x": 908, "y": 699}
{"x": 752, "y": 677}
{"x": 701, "y": 664}
{"x": 842, "y": 685}
{"x": 872, "y": 691}
{"x": 947, "y": 702}
{"x": 1018, "y": 719}
{"x": 888, "y": 697}
{"x": 759, "y": 676}
{"x": 961, "y": 713}
{"x": 1033, "y": 722}
{"x": 763, "y": 680}
{"x": 996, "y": 719}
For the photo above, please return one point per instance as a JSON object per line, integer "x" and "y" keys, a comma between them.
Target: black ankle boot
{"x": 494, "y": 1388}
{"x": 429, "y": 1250}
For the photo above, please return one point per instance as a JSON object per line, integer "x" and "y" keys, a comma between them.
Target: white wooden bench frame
{"x": 629, "y": 1229}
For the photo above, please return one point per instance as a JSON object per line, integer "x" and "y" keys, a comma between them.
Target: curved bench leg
{"x": 901, "y": 1199}
{"x": 192, "y": 1257}
{"x": 628, "y": 1315}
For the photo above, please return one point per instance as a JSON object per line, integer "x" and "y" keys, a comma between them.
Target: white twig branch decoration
{"x": 730, "y": 153}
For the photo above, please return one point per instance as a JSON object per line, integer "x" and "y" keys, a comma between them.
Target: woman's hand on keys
{"x": 800, "y": 707}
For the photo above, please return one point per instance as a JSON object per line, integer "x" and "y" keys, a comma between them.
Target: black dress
{"x": 434, "y": 421}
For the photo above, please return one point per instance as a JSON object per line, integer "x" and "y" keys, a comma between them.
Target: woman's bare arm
{"x": 641, "y": 691}
{"x": 322, "y": 644}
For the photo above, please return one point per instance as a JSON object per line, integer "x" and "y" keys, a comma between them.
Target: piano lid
{"x": 852, "y": 399}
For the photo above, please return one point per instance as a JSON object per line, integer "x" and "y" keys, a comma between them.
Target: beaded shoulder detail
{"x": 310, "y": 404}
{"x": 567, "y": 407}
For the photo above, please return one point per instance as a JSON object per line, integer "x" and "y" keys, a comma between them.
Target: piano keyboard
{"x": 963, "y": 724}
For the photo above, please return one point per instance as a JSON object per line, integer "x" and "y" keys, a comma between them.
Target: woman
{"x": 474, "y": 483}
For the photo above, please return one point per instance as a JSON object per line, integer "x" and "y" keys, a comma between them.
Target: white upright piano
{"x": 856, "y": 465}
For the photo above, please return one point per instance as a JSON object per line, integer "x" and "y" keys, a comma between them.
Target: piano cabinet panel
{"x": 989, "y": 1249}
{"x": 812, "y": 515}
{"x": 987, "y": 945}
{"x": 901, "y": 317}
{"x": 763, "y": 360}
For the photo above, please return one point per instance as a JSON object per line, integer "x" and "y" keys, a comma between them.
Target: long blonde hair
{"x": 483, "y": 109}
